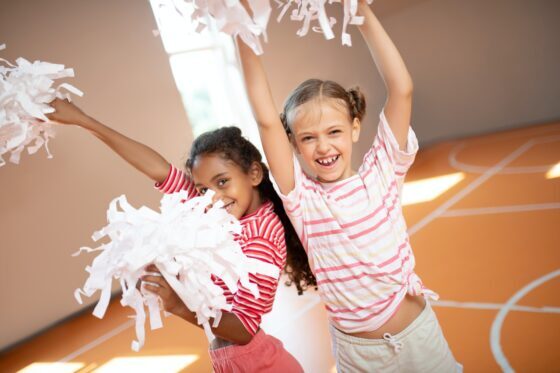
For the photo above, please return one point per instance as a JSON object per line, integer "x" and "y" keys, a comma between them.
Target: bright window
{"x": 206, "y": 71}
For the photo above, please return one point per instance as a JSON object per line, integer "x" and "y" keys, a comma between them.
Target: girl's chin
{"x": 328, "y": 177}
{"x": 236, "y": 214}
{"x": 331, "y": 177}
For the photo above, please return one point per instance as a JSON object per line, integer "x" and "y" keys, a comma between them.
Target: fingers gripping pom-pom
{"x": 187, "y": 242}
{"x": 25, "y": 90}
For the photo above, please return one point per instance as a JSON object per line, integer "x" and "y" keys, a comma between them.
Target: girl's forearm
{"x": 138, "y": 155}
{"x": 258, "y": 88}
{"x": 386, "y": 56}
{"x": 276, "y": 144}
{"x": 230, "y": 327}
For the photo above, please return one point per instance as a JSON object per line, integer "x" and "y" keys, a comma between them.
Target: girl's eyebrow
{"x": 337, "y": 125}
{"x": 221, "y": 174}
{"x": 308, "y": 133}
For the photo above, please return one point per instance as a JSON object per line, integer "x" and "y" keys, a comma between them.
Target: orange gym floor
{"x": 489, "y": 245}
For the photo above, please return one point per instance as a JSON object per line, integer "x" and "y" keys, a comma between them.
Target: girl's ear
{"x": 356, "y": 127}
{"x": 256, "y": 173}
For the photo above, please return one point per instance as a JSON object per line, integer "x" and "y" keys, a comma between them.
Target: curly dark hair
{"x": 229, "y": 143}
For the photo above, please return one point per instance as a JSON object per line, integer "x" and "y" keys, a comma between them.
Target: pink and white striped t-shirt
{"x": 261, "y": 237}
{"x": 355, "y": 235}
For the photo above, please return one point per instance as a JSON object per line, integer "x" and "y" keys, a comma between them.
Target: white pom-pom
{"x": 229, "y": 16}
{"x": 308, "y": 11}
{"x": 188, "y": 244}
{"x": 25, "y": 90}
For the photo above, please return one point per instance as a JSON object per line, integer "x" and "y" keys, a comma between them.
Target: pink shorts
{"x": 263, "y": 354}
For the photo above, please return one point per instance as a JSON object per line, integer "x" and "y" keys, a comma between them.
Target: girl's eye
{"x": 202, "y": 191}
{"x": 335, "y": 132}
{"x": 222, "y": 182}
{"x": 306, "y": 138}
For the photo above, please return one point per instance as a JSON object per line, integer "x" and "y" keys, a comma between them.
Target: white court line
{"x": 96, "y": 342}
{"x": 500, "y": 209}
{"x": 496, "y": 329}
{"x": 471, "y": 187}
{"x": 493, "y": 306}
{"x": 474, "y": 169}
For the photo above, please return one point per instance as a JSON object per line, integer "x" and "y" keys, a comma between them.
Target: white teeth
{"x": 327, "y": 161}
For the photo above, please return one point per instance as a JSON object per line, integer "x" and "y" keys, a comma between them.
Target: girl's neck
{"x": 256, "y": 203}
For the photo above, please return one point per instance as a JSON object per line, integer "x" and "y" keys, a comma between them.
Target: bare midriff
{"x": 408, "y": 311}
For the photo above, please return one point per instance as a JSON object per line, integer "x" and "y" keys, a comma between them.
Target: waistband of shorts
{"x": 418, "y": 321}
{"x": 233, "y": 351}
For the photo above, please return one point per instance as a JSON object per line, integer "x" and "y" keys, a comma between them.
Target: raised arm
{"x": 392, "y": 68}
{"x": 276, "y": 144}
{"x": 140, "y": 156}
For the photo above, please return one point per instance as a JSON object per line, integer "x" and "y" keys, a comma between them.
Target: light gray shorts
{"x": 420, "y": 347}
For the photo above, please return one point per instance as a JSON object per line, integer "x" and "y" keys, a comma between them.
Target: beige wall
{"x": 51, "y": 207}
{"x": 478, "y": 66}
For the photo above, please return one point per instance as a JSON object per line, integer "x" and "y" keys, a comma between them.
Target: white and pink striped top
{"x": 355, "y": 235}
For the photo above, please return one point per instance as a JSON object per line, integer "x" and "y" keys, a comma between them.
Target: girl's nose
{"x": 216, "y": 197}
{"x": 322, "y": 146}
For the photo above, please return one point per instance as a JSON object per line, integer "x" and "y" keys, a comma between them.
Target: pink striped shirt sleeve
{"x": 294, "y": 199}
{"x": 385, "y": 148}
{"x": 176, "y": 181}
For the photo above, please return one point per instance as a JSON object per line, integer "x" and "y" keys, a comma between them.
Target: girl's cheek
{"x": 306, "y": 149}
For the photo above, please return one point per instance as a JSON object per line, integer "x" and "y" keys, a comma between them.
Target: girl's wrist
{"x": 363, "y": 7}
{"x": 87, "y": 122}
{"x": 181, "y": 311}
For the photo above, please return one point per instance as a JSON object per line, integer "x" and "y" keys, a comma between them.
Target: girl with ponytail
{"x": 350, "y": 221}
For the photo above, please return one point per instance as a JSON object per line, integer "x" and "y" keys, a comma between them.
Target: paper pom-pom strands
{"x": 228, "y": 16}
{"x": 307, "y": 11}
{"x": 231, "y": 17}
{"x": 186, "y": 243}
{"x": 25, "y": 90}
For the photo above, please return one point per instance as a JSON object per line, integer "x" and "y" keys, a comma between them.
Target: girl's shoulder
{"x": 263, "y": 224}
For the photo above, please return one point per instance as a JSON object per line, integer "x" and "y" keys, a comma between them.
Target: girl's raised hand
{"x": 66, "y": 112}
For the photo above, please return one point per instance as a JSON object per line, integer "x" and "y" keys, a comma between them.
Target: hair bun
{"x": 357, "y": 102}
{"x": 232, "y": 131}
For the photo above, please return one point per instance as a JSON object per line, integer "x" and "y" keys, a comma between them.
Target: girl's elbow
{"x": 404, "y": 90}
{"x": 244, "y": 339}
{"x": 268, "y": 123}
{"x": 409, "y": 88}
{"x": 239, "y": 338}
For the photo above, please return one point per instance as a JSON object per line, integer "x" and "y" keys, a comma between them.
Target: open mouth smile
{"x": 228, "y": 206}
{"x": 328, "y": 162}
